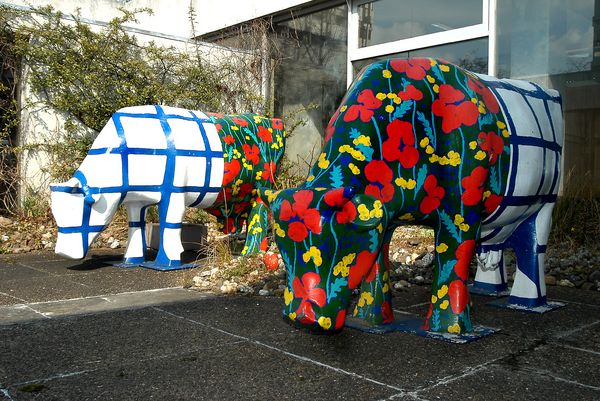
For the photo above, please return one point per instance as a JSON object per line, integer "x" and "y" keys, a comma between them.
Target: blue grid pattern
{"x": 518, "y": 141}
{"x": 166, "y": 188}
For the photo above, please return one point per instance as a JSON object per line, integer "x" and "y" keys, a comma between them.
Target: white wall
{"x": 169, "y": 26}
{"x": 213, "y": 15}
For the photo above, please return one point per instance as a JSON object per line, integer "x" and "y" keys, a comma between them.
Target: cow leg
{"x": 491, "y": 272}
{"x": 375, "y": 302}
{"x": 529, "y": 243}
{"x": 450, "y": 309}
{"x": 256, "y": 231}
{"x": 136, "y": 244}
{"x": 170, "y": 212}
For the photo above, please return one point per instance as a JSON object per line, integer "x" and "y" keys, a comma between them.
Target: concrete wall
{"x": 169, "y": 26}
{"x": 213, "y": 15}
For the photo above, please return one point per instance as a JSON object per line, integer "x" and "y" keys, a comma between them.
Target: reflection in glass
{"x": 389, "y": 20}
{"x": 310, "y": 79}
{"x": 557, "y": 44}
{"x": 472, "y": 55}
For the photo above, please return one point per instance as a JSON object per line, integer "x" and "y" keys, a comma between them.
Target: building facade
{"x": 322, "y": 45}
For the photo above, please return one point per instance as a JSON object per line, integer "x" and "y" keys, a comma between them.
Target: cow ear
{"x": 71, "y": 186}
{"x": 268, "y": 196}
{"x": 336, "y": 198}
{"x": 369, "y": 212}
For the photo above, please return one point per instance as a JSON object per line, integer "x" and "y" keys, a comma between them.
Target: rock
{"x": 115, "y": 244}
{"x": 264, "y": 293}
{"x": 594, "y": 276}
{"x": 205, "y": 273}
{"x": 430, "y": 248}
{"x": 4, "y": 221}
{"x": 419, "y": 279}
{"x": 5, "y": 238}
{"x": 414, "y": 242}
{"x": 408, "y": 260}
{"x": 396, "y": 257}
{"x": 565, "y": 283}
{"x": 424, "y": 260}
{"x": 197, "y": 280}
{"x": 588, "y": 286}
{"x": 550, "y": 280}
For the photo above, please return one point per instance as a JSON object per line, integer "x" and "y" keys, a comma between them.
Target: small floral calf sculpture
{"x": 425, "y": 142}
{"x": 174, "y": 158}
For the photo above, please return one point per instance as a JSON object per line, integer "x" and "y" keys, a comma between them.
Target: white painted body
{"x": 145, "y": 155}
{"x": 523, "y": 220}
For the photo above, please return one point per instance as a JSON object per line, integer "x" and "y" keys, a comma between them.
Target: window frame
{"x": 486, "y": 29}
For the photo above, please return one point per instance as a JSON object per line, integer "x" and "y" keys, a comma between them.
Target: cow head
{"x": 79, "y": 216}
{"x": 329, "y": 240}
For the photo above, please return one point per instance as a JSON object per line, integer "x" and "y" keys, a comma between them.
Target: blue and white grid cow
{"x": 523, "y": 220}
{"x": 148, "y": 155}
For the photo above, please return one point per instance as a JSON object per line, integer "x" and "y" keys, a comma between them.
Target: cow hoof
{"x": 314, "y": 328}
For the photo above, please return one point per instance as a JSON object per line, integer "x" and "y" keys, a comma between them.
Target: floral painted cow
{"x": 425, "y": 142}
{"x": 174, "y": 158}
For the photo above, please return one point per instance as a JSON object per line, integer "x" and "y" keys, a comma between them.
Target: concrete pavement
{"x": 94, "y": 332}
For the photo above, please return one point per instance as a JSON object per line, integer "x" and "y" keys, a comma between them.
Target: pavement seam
{"x": 577, "y": 348}
{"x": 62, "y": 276}
{"x": 284, "y": 352}
{"x": 12, "y": 296}
{"x": 567, "y": 333}
{"x": 108, "y": 364}
{"x": 546, "y": 373}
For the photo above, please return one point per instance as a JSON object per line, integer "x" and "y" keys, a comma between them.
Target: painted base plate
{"x": 164, "y": 268}
{"x": 121, "y": 264}
{"x": 549, "y": 306}
{"x": 413, "y": 325}
{"x": 488, "y": 293}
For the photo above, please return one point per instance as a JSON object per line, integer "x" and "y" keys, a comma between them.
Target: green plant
{"x": 576, "y": 216}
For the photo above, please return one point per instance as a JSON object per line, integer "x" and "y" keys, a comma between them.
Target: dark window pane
{"x": 557, "y": 44}
{"x": 389, "y": 20}
{"x": 471, "y": 55}
{"x": 310, "y": 79}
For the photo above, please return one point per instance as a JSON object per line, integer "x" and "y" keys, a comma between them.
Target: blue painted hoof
{"x": 173, "y": 265}
{"x": 531, "y": 307}
{"x": 489, "y": 290}
{"x": 413, "y": 325}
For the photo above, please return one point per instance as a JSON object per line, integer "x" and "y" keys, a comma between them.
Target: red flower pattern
{"x": 492, "y": 202}
{"x": 459, "y": 296}
{"x": 265, "y": 134}
{"x": 400, "y": 144}
{"x": 268, "y": 173}
{"x": 488, "y": 97}
{"x": 303, "y": 219}
{"x": 364, "y": 262}
{"x": 230, "y": 170}
{"x": 454, "y": 113}
{"x": 474, "y": 186}
{"x": 277, "y": 123}
{"x": 367, "y": 103}
{"x": 464, "y": 254}
{"x": 491, "y": 143}
{"x": 345, "y": 210}
{"x": 228, "y": 139}
{"x": 306, "y": 289}
{"x": 252, "y": 153}
{"x": 434, "y": 196}
{"x": 414, "y": 69}
{"x": 380, "y": 176}
{"x": 411, "y": 93}
{"x": 240, "y": 121}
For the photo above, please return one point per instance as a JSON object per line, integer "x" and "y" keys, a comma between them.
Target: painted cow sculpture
{"x": 421, "y": 141}
{"x": 174, "y": 158}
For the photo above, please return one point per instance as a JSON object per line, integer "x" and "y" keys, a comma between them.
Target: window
{"x": 471, "y": 55}
{"x": 389, "y": 20}
{"x": 310, "y": 78}
{"x": 557, "y": 44}
{"x": 417, "y": 27}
